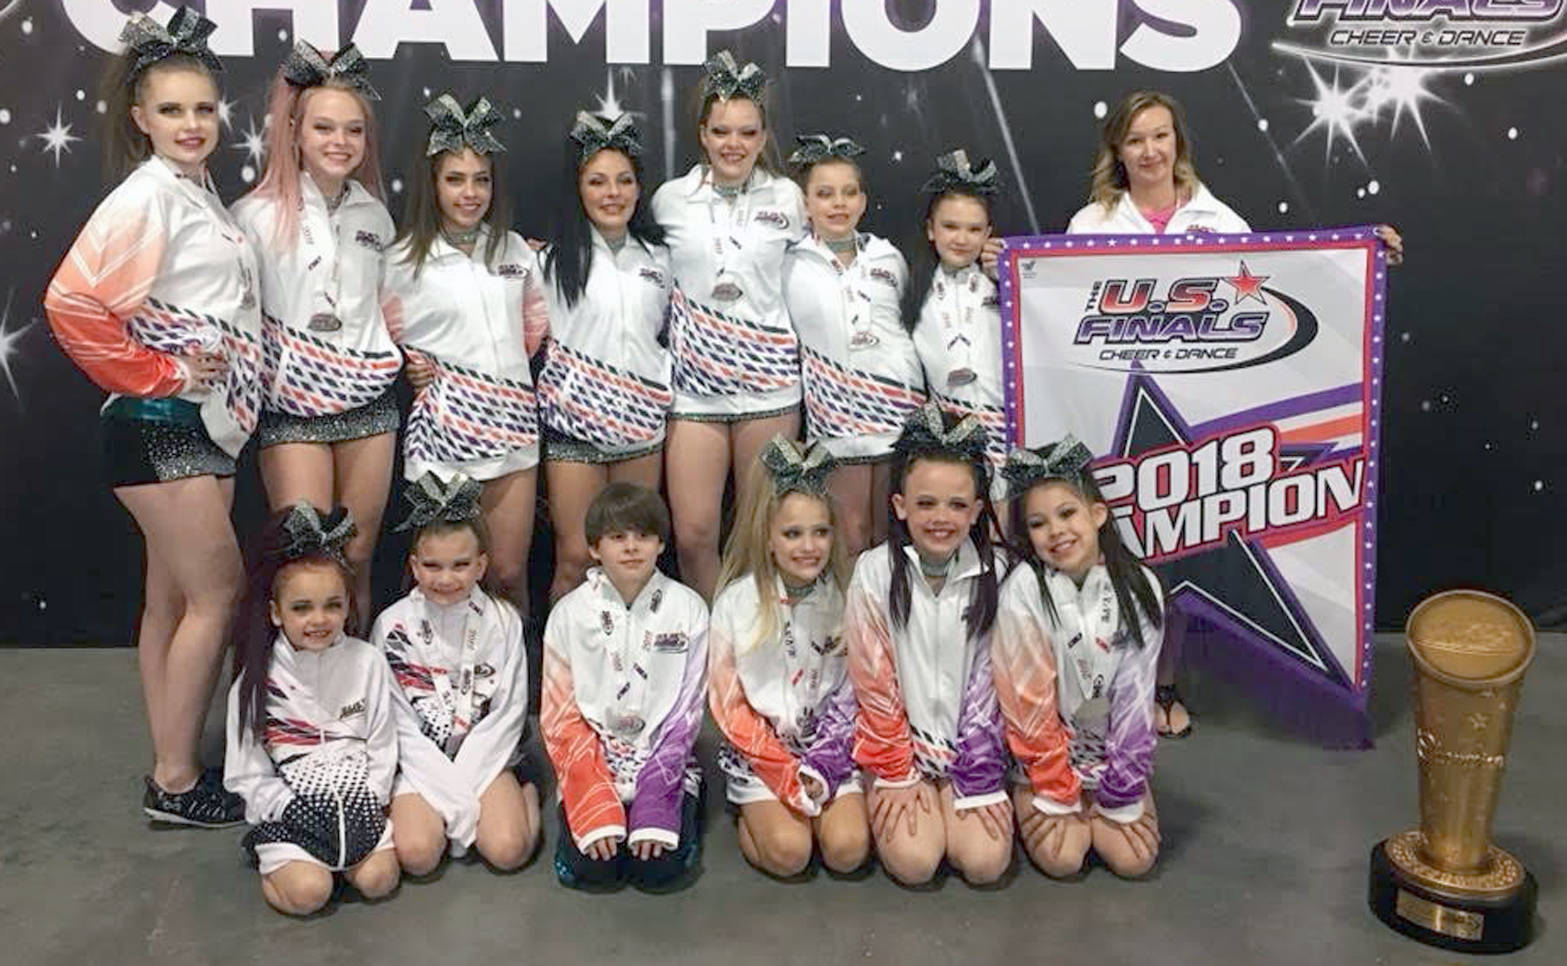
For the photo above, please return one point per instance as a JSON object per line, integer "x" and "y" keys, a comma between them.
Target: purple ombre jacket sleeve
{"x": 831, "y": 752}
{"x": 979, "y": 772}
{"x": 1129, "y": 746}
{"x": 655, "y": 809}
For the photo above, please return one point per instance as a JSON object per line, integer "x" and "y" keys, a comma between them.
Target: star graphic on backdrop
{"x": 9, "y": 343}
{"x": 1236, "y": 579}
{"x": 225, "y": 112}
{"x": 1247, "y": 285}
{"x": 253, "y": 142}
{"x": 57, "y": 137}
{"x": 1338, "y": 110}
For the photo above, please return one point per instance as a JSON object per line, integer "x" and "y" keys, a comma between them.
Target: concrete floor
{"x": 1266, "y": 841}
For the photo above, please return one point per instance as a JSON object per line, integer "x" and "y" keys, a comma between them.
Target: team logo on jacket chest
{"x": 349, "y": 710}
{"x": 511, "y": 270}
{"x": 884, "y": 277}
{"x": 651, "y": 275}
{"x": 370, "y": 240}
{"x": 607, "y": 622}
{"x": 672, "y": 643}
{"x": 772, "y": 219}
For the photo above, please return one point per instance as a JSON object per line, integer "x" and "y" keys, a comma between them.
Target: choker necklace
{"x": 940, "y": 569}
{"x": 794, "y": 592}
{"x": 616, "y": 244}
{"x": 332, "y": 204}
{"x": 458, "y": 239}
{"x": 728, "y": 192}
{"x": 838, "y": 246}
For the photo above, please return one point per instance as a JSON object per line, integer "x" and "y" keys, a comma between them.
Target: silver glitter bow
{"x": 954, "y": 172}
{"x": 797, "y": 471}
{"x": 310, "y": 534}
{"x": 305, "y": 67}
{"x": 1065, "y": 460}
{"x": 451, "y": 128}
{"x": 151, "y": 42}
{"x": 430, "y": 500}
{"x": 924, "y": 433}
{"x": 727, "y": 79}
{"x": 815, "y": 148}
{"x": 595, "y": 133}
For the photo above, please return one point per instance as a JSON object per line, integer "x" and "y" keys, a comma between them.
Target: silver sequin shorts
{"x": 372, "y": 419}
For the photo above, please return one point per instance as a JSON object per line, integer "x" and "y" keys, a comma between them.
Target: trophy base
{"x": 1486, "y": 913}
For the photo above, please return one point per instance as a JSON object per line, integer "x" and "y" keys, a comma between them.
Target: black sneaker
{"x": 207, "y": 804}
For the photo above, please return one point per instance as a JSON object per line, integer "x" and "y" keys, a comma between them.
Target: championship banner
{"x": 1229, "y": 386}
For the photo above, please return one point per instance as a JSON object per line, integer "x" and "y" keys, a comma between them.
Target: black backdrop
{"x": 1469, "y": 165}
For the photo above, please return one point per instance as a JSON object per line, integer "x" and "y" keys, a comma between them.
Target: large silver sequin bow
{"x": 151, "y": 42}
{"x": 310, "y": 534}
{"x": 925, "y": 433}
{"x": 727, "y": 79}
{"x": 595, "y": 133}
{"x": 451, "y": 128}
{"x": 1065, "y": 460}
{"x": 305, "y": 67}
{"x": 815, "y": 148}
{"x": 430, "y": 500}
{"x": 795, "y": 470}
{"x": 954, "y": 172}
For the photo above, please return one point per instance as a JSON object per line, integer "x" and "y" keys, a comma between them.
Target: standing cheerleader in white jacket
{"x": 156, "y": 303}
{"x": 312, "y": 741}
{"x": 604, "y": 393}
{"x": 845, "y": 290}
{"x": 461, "y": 700}
{"x": 778, "y": 672}
{"x": 736, "y": 357}
{"x": 329, "y": 420}
{"x": 464, "y": 300}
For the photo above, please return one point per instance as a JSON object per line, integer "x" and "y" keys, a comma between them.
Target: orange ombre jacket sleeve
{"x": 104, "y": 280}
{"x": 882, "y": 743}
{"x": 751, "y": 734}
{"x": 1023, "y": 662}
{"x": 593, "y": 808}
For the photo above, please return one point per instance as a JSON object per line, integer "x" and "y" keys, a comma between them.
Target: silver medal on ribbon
{"x": 726, "y": 291}
{"x": 325, "y": 322}
{"x": 961, "y": 376}
{"x": 863, "y": 340}
{"x": 626, "y": 725}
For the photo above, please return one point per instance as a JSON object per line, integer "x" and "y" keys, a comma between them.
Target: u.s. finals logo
{"x": 1191, "y": 324}
{"x": 1445, "y": 34}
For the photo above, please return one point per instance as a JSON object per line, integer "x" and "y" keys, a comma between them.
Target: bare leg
{"x": 912, "y": 856}
{"x": 645, "y": 470}
{"x": 291, "y": 472}
{"x": 508, "y": 509}
{"x": 1178, "y": 718}
{"x": 363, "y": 471}
{"x": 881, "y": 486}
{"x": 697, "y": 463}
{"x": 980, "y": 854}
{"x": 297, "y": 888}
{"x": 162, "y": 608}
{"x": 748, "y": 436}
{"x": 571, "y": 486}
{"x": 189, "y": 535}
{"x": 843, "y": 830}
{"x": 508, "y": 822}
{"x": 376, "y": 877}
{"x": 1128, "y": 850}
{"x": 850, "y": 487}
{"x": 418, "y": 834}
{"x": 1057, "y": 845}
{"x": 775, "y": 838}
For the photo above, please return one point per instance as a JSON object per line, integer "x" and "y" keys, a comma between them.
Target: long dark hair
{"x": 253, "y": 632}
{"x": 1127, "y": 577}
{"x": 570, "y": 256}
{"x": 124, "y": 144}
{"x": 981, "y": 612}
{"x": 422, "y": 212}
{"x": 924, "y": 264}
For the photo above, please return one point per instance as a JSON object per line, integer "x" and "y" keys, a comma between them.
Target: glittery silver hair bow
{"x": 430, "y": 500}
{"x": 595, "y": 133}
{"x": 953, "y": 172}
{"x": 797, "y": 471}
{"x": 310, "y": 534}
{"x": 925, "y": 433}
{"x": 727, "y": 79}
{"x": 151, "y": 42}
{"x": 815, "y": 148}
{"x": 451, "y": 129}
{"x": 305, "y": 67}
{"x": 1065, "y": 460}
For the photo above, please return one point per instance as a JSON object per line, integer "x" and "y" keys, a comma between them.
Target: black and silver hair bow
{"x": 1065, "y": 460}
{"x": 451, "y": 129}
{"x": 925, "y": 434}
{"x": 430, "y": 500}
{"x": 815, "y": 148}
{"x": 150, "y": 42}
{"x": 795, "y": 470}
{"x": 595, "y": 133}
{"x": 310, "y": 534}
{"x": 305, "y": 67}
{"x": 727, "y": 79}
{"x": 954, "y": 172}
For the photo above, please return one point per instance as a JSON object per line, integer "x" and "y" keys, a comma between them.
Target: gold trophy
{"x": 1445, "y": 883}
